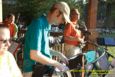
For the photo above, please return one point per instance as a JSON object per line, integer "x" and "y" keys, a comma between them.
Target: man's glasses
{"x": 5, "y": 41}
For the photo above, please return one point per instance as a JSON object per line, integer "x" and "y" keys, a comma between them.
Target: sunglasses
{"x": 5, "y": 41}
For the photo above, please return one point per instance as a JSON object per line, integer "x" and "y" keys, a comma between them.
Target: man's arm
{"x": 38, "y": 57}
{"x": 16, "y": 31}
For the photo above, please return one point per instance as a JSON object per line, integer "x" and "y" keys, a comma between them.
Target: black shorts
{"x": 39, "y": 70}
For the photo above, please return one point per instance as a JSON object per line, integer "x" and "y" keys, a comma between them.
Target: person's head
{"x": 74, "y": 15}
{"x": 59, "y": 13}
{"x": 10, "y": 18}
{"x": 4, "y": 38}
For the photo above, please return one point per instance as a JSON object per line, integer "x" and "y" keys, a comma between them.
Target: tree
{"x": 31, "y": 9}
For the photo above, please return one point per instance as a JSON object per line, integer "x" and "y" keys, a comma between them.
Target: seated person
{"x": 8, "y": 65}
{"x": 72, "y": 35}
{"x": 9, "y": 21}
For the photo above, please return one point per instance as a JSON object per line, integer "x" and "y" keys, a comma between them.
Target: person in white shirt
{"x": 8, "y": 65}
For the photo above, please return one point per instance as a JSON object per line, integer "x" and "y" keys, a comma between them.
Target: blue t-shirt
{"x": 36, "y": 38}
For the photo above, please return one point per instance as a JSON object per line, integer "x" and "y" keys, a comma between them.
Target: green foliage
{"x": 8, "y": 8}
{"x": 110, "y": 1}
{"x": 31, "y": 9}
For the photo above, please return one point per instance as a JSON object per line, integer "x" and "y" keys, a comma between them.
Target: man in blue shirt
{"x": 36, "y": 49}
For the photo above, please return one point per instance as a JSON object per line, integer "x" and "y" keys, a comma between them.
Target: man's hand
{"x": 61, "y": 56}
{"x": 61, "y": 67}
{"x": 82, "y": 39}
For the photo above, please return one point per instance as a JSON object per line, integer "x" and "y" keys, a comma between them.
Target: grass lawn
{"x": 107, "y": 35}
{"x": 111, "y": 49}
